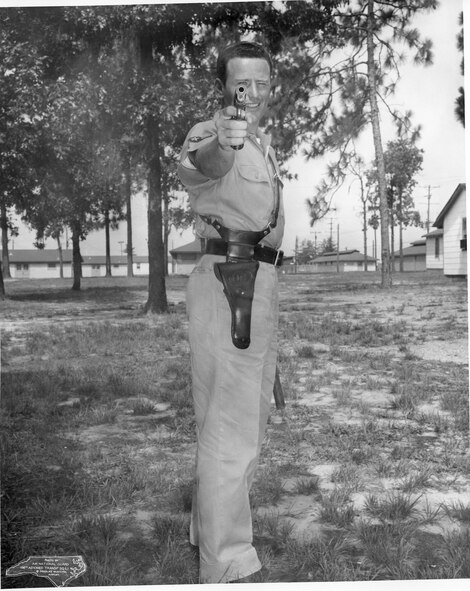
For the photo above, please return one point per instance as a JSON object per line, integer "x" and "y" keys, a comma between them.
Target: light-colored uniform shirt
{"x": 245, "y": 197}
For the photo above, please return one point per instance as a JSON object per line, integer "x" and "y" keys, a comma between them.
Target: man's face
{"x": 254, "y": 74}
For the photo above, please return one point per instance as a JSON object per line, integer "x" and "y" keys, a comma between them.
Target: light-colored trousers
{"x": 232, "y": 391}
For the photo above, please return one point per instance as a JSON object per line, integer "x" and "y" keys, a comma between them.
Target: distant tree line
{"x": 95, "y": 102}
{"x": 403, "y": 160}
{"x": 308, "y": 250}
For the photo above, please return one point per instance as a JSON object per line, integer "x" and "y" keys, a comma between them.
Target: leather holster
{"x": 238, "y": 279}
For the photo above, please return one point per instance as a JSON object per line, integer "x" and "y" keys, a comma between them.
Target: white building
{"x": 453, "y": 222}
{"x": 343, "y": 261}
{"x": 435, "y": 250}
{"x": 45, "y": 264}
{"x": 414, "y": 256}
{"x": 184, "y": 258}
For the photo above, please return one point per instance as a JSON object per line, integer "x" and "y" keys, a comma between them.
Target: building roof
{"x": 39, "y": 255}
{"x": 45, "y": 255}
{"x": 438, "y": 232}
{"x": 417, "y": 248}
{"x": 349, "y": 256}
{"x": 193, "y": 247}
{"x": 115, "y": 260}
{"x": 439, "y": 223}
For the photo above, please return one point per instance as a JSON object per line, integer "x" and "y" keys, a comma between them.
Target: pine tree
{"x": 372, "y": 31}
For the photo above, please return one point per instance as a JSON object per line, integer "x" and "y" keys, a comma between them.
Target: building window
{"x": 463, "y": 242}
{"x": 51, "y": 265}
{"x": 138, "y": 265}
{"x": 115, "y": 266}
{"x": 95, "y": 266}
{"x": 22, "y": 266}
{"x": 437, "y": 247}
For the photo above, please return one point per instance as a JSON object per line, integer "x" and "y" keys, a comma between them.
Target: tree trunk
{"x": 157, "y": 301}
{"x": 61, "y": 258}
{"x": 107, "y": 242}
{"x": 128, "y": 195}
{"x": 401, "y": 246}
{"x": 364, "y": 221}
{"x": 400, "y": 201}
{"x": 5, "y": 253}
{"x": 296, "y": 254}
{"x": 2, "y": 285}
{"x": 375, "y": 247}
{"x": 392, "y": 241}
{"x": 379, "y": 157}
{"x": 166, "y": 231}
{"x": 76, "y": 257}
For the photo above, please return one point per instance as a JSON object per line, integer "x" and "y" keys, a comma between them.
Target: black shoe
{"x": 260, "y": 576}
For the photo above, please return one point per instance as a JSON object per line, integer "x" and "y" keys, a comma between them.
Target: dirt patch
{"x": 446, "y": 351}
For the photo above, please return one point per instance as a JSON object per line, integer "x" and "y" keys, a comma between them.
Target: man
{"x": 231, "y": 175}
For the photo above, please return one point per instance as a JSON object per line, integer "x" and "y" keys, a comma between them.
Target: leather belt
{"x": 261, "y": 253}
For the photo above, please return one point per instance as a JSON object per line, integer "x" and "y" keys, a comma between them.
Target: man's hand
{"x": 230, "y": 132}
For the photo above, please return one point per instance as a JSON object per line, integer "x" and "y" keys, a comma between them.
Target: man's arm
{"x": 215, "y": 158}
{"x": 212, "y": 160}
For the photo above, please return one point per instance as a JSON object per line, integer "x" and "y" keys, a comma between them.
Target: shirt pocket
{"x": 253, "y": 173}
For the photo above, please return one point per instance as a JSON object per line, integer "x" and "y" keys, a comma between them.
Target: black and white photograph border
{"x": 363, "y": 477}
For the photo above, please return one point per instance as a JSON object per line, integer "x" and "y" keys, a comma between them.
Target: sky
{"x": 429, "y": 92}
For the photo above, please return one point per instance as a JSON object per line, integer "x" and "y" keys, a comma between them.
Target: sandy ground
{"x": 436, "y": 318}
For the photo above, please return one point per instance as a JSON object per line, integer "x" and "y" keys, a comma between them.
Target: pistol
{"x": 239, "y": 102}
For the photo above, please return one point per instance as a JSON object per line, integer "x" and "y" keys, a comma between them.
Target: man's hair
{"x": 241, "y": 49}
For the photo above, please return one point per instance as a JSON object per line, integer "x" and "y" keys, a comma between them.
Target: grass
{"x": 143, "y": 406}
{"x": 268, "y": 487}
{"x": 393, "y": 507}
{"x": 98, "y": 435}
{"x": 459, "y": 511}
{"x": 306, "y": 486}
{"x": 417, "y": 481}
{"x": 272, "y": 527}
{"x": 337, "y": 508}
{"x": 347, "y": 474}
{"x": 389, "y": 548}
{"x": 313, "y": 559}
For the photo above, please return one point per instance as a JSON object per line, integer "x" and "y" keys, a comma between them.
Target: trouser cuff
{"x": 242, "y": 566}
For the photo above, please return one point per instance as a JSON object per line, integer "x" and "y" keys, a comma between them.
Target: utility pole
{"x": 337, "y": 248}
{"x": 428, "y": 216}
{"x": 295, "y": 253}
{"x": 375, "y": 248}
{"x": 331, "y": 225}
{"x": 315, "y": 240}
